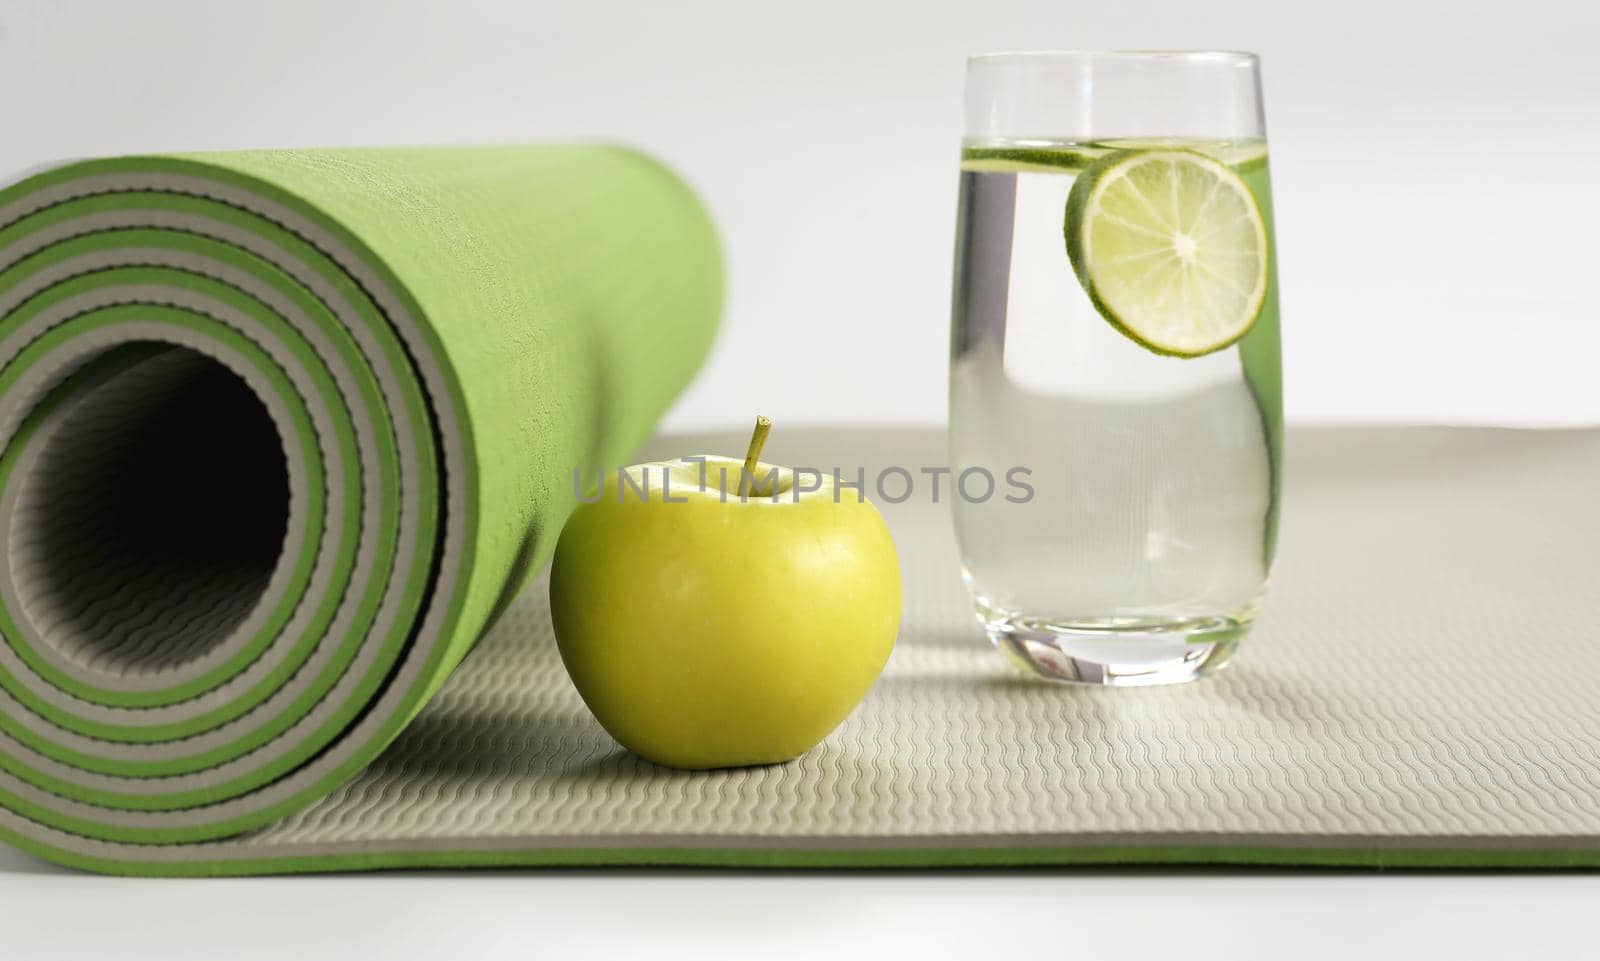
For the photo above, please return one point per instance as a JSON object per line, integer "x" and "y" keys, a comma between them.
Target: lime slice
{"x": 1163, "y": 143}
{"x": 1018, "y": 160}
{"x": 1171, "y": 248}
{"x": 1241, "y": 155}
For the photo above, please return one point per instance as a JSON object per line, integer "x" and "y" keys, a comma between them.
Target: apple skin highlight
{"x": 705, "y": 630}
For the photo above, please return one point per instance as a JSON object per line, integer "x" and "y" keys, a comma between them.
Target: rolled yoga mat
{"x": 282, "y": 433}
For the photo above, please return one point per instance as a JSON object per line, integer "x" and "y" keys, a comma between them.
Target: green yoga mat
{"x": 281, "y": 433}
{"x": 1418, "y": 693}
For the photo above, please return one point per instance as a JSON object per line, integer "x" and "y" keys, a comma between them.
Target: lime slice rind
{"x": 1241, "y": 155}
{"x": 1171, "y": 248}
{"x": 977, "y": 159}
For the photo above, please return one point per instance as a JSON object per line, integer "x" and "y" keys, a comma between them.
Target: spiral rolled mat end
{"x": 279, "y": 433}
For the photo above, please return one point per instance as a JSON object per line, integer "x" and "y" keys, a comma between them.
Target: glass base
{"x": 1117, "y": 653}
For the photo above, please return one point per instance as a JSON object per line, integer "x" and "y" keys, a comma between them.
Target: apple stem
{"x": 752, "y": 457}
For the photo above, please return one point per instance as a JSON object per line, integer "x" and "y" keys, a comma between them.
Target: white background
{"x": 1437, "y": 170}
{"x": 1436, "y": 162}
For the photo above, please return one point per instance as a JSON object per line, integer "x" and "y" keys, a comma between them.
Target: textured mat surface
{"x": 280, "y": 432}
{"x": 1420, "y": 691}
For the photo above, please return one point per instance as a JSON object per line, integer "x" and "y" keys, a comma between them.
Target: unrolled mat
{"x": 281, "y": 433}
{"x": 1420, "y": 691}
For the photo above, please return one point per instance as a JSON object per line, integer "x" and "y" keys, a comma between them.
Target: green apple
{"x": 708, "y": 628}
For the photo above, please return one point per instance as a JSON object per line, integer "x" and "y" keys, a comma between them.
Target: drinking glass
{"x": 1114, "y": 360}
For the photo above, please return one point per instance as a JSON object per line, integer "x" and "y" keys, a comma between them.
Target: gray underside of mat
{"x": 1423, "y": 678}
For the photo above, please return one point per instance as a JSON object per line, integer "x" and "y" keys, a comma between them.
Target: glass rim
{"x": 1020, "y": 57}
